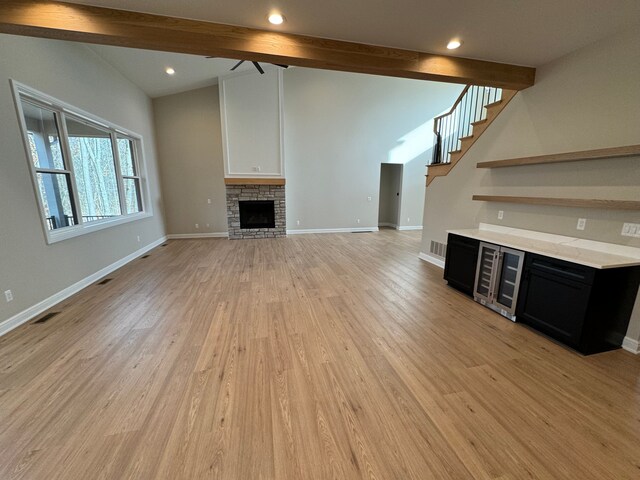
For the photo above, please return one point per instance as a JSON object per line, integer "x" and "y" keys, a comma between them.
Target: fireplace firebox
{"x": 257, "y": 214}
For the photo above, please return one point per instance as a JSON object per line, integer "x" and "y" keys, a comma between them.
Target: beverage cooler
{"x": 498, "y": 278}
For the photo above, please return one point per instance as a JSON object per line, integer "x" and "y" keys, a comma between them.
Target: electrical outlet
{"x": 500, "y": 214}
{"x": 8, "y": 295}
{"x": 138, "y": 237}
{"x": 297, "y": 222}
{"x": 207, "y": 225}
{"x": 408, "y": 219}
{"x": 197, "y": 225}
{"x": 582, "y": 222}
{"x": 358, "y": 220}
{"x": 631, "y": 230}
{"x": 369, "y": 198}
{"x": 209, "y": 201}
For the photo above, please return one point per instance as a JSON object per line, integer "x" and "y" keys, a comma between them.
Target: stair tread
{"x": 467, "y": 137}
{"x": 456, "y": 151}
{"x": 479, "y": 122}
{"x": 496, "y": 103}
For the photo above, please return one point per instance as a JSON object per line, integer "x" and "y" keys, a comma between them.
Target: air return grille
{"x": 46, "y": 317}
{"x": 438, "y": 249}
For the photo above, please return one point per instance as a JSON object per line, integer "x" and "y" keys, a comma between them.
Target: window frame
{"x": 61, "y": 110}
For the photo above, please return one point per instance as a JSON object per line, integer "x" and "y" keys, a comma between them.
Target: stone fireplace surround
{"x": 238, "y": 189}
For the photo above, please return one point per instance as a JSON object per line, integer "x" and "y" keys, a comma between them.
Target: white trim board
{"x": 631, "y": 345}
{"x": 56, "y": 298}
{"x": 332, "y": 230}
{"x": 400, "y": 227}
{"x": 437, "y": 261}
{"x": 186, "y": 236}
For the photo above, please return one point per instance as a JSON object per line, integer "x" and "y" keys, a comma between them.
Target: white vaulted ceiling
{"x": 524, "y": 32}
{"x": 146, "y": 68}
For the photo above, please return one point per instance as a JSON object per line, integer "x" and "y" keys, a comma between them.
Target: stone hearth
{"x": 241, "y": 192}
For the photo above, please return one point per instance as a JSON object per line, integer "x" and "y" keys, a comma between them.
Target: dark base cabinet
{"x": 585, "y": 308}
{"x": 460, "y": 265}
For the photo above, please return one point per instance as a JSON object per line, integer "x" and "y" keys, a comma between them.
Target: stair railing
{"x": 457, "y": 123}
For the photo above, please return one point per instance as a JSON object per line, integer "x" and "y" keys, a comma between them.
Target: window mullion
{"x": 66, "y": 152}
{"x": 135, "y": 146}
{"x": 116, "y": 156}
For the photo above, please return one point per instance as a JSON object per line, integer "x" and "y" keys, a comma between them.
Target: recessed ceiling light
{"x": 170, "y": 71}
{"x": 276, "y": 19}
{"x": 453, "y": 44}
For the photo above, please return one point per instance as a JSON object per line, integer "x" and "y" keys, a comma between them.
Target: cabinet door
{"x": 554, "y": 305}
{"x": 460, "y": 266}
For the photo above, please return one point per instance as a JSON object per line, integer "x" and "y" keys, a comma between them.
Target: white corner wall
{"x": 191, "y": 165}
{"x": 33, "y": 270}
{"x": 339, "y": 128}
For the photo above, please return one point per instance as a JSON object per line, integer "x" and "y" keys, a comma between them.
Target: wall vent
{"x": 146, "y": 256}
{"x": 438, "y": 249}
{"x": 105, "y": 281}
{"x": 48, "y": 316}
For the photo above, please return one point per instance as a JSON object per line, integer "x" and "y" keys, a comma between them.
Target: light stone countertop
{"x": 584, "y": 252}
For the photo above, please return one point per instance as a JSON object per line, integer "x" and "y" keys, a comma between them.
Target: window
{"x": 86, "y": 171}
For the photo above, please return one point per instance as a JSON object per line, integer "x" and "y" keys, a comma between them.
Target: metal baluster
{"x": 467, "y": 117}
{"x": 443, "y": 128}
{"x": 447, "y": 139}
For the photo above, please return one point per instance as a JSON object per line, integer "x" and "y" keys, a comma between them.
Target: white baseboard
{"x": 332, "y": 230}
{"x": 183, "y": 236}
{"x": 413, "y": 227}
{"x": 56, "y": 298}
{"x": 437, "y": 261}
{"x": 631, "y": 345}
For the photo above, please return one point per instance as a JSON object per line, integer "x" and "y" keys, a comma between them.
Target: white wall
{"x": 251, "y": 114}
{"x": 190, "y": 158}
{"x": 74, "y": 74}
{"x": 339, "y": 127}
{"x": 586, "y": 100}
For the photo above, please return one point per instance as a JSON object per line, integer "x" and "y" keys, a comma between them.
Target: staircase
{"x": 458, "y": 129}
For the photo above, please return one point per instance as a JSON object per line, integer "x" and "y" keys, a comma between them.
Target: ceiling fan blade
{"x": 257, "y": 65}
{"x": 237, "y": 65}
{"x": 278, "y": 65}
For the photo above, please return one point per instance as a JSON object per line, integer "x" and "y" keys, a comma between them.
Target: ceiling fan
{"x": 255, "y": 64}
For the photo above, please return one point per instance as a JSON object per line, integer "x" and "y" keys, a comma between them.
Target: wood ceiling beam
{"x": 83, "y": 23}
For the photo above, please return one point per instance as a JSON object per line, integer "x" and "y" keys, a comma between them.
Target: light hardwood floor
{"x": 308, "y": 357}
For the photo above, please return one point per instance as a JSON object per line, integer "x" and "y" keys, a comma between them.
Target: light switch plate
{"x": 8, "y": 295}
{"x": 500, "y": 214}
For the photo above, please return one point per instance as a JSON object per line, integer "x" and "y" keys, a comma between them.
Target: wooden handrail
{"x": 460, "y": 97}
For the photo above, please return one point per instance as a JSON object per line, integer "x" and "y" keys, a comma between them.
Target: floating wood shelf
{"x": 253, "y": 181}
{"x": 603, "y": 153}
{"x": 563, "y": 202}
